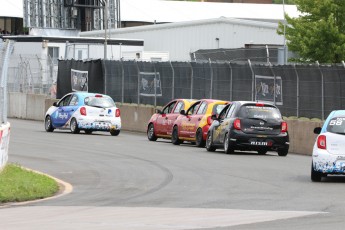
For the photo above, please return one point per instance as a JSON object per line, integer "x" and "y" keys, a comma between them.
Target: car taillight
{"x": 237, "y": 124}
{"x": 284, "y": 127}
{"x": 117, "y": 113}
{"x": 321, "y": 142}
{"x": 259, "y": 104}
{"x": 209, "y": 120}
{"x": 83, "y": 111}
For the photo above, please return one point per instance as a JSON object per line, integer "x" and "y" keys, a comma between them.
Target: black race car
{"x": 249, "y": 126}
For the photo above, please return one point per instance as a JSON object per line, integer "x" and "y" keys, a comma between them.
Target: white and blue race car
{"x": 84, "y": 111}
{"x": 329, "y": 147}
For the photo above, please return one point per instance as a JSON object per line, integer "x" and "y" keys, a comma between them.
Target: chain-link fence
{"x": 31, "y": 74}
{"x": 298, "y": 90}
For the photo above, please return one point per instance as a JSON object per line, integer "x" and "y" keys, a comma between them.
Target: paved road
{"x": 127, "y": 182}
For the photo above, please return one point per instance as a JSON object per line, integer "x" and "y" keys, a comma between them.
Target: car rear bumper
{"x": 244, "y": 141}
{"x": 99, "y": 124}
{"x": 325, "y": 162}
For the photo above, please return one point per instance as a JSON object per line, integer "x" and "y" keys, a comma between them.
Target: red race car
{"x": 193, "y": 124}
{"x": 161, "y": 123}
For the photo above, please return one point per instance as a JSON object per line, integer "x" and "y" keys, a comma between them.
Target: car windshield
{"x": 336, "y": 125}
{"x": 101, "y": 102}
{"x": 259, "y": 112}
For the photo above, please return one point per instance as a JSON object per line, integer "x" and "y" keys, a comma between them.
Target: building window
{"x": 53, "y": 53}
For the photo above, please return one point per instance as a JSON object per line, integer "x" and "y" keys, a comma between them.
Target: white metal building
{"x": 182, "y": 38}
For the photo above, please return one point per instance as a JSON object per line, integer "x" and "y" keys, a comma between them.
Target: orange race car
{"x": 161, "y": 123}
{"x": 192, "y": 125}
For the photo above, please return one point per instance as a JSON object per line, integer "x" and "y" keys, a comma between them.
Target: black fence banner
{"x": 268, "y": 88}
{"x": 79, "y": 80}
{"x": 150, "y": 84}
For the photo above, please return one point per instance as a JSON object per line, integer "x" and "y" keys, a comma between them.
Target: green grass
{"x": 18, "y": 184}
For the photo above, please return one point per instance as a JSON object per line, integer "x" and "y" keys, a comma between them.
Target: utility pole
{"x": 105, "y": 28}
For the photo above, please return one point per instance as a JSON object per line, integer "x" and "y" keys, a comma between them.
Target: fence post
{"x": 191, "y": 81}
{"x": 231, "y": 85}
{"x": 122, "y": 83}
{"x": 297, "y": 114}
{"x": 138, "y": 81}
{"x": 253, "y": 79}
{"x": 155, "y": 84}
{"x": 211, "y": 91}
{"x": 274, "y": 83}
{"x": 322, "y": 92}
{"x": 173, "y": 81}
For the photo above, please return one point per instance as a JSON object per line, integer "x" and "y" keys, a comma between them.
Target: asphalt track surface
{"x": 128, "y": 182}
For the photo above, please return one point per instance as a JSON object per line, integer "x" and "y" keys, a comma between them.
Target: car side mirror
{"x": 317, "y": 130}
{"x": 216, "y": 123}
{"x": 55, "y": 104}
{"x": 183, "y": 112}
{"x": 159, "y": 111}
{"x": 214, "y": 117}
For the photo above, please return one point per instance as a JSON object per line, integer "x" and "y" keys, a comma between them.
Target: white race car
{"x": 329, "y": 148}
{"x": 84, "y": 111}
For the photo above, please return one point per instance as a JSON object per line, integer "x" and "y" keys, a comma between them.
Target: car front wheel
{"x": 209, "y": 146}
{"x": 74, "y": 126}
{"x": 48, "y": 124}
{"x": 174, "y": 137}
{"x": 151, "y": 133}
{"x": 199, "y": 140}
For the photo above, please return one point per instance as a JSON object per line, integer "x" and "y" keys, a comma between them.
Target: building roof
{"x": 11, "y": 8}
{"x": 161, "y": 11}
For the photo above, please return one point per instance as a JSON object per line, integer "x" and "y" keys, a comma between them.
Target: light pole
{"x": 285, "y": 51}
{"x": 105, "y": 28}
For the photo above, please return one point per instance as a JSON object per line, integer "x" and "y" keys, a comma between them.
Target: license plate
{"x": 260, "y": 143}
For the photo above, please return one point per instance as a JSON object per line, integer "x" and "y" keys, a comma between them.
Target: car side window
{"x": 230, "y": 111}
{"x": 193, "y": 109}
{"x": 222, "y": 114}
{"x": 202, "y": 108}
{"x": 178, "y": 107}
{"x": 74, "y": 100}
{"x": 169, "y": 107}
{"x": 65, "y": 101}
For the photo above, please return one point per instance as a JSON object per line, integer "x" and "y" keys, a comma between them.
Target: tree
{"x": 319, "y": 33}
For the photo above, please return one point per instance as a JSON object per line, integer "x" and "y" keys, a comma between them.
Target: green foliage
{"x": 18, "y": 184}
{"x": 319, "y": 33}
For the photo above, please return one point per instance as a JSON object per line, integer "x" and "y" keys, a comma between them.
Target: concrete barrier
{"x": 135, "y": 118}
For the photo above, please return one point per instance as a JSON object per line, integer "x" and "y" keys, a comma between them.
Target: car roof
{"x": 338, "y": 112}
{"x": 254, "y": 102}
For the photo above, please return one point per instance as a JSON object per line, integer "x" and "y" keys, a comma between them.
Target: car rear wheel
{"x": 174, "y": 137}
{"x": 199, "y": 140}
{"x": 115, "y": 132}
{"x": 74, "y": 126}
{"x": 151, "y": 133}
{"x": 282, "y": 152}
{"x": 88, "y": 131}
{"x": 316, "y": 176}
{"x": 227, "y": 148}
{"x": 48, "y": 124}
{"x": 209, "y": 146}
{"x": 262, "y": 151}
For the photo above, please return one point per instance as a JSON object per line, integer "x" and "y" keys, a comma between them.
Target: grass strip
{"x": 19, "y": 184}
